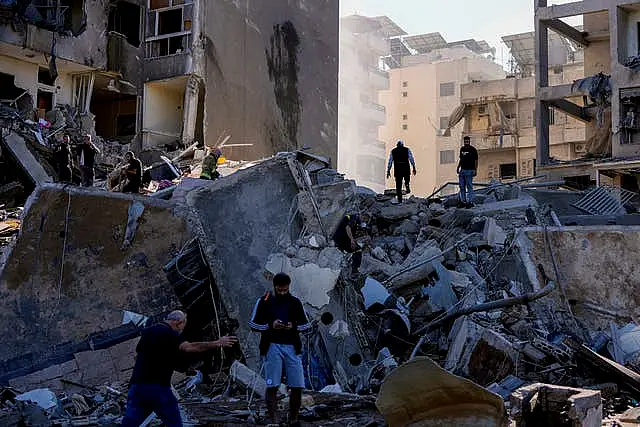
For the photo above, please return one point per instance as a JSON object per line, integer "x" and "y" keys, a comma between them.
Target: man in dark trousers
{"x": 133, "y": 172}
{"x": 63, "y": 160}
{"x": 467, "y": 169}
{"x": 345, "y": 238}
{"x": 400, "y": 158}
{"x": 280, "y": 317}
{"x": 87, "y": 160}
{"x": 157, "y": 353}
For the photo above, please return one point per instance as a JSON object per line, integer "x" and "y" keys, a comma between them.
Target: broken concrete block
{"x": 331, "y": 258}
{"x": 371, "y": 266}
{"x": 291, "y": 251}
{"x": 317, "y": 241}
{"x": 478, "y": 353}
{"x": 392, "y": 213}
{"x": 308, "y": 255}
{"x": 277, "y": 263}
{"x": 548, "y": 405}
{"x": 419, "y": 257}
{"x": 380, "y": 254}
{"x": 44, "y": 377}
{"x": 312, "y": 284}
{"x": 407, "y": 227}
{"x": 406, "y": 399}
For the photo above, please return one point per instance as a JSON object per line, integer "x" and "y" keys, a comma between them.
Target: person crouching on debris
{"x": 133, "y": 173}
{"x": 157, "y": 351}
{"x": 280, "y": 317}
{"x": 345, "y": 238}
{"x": 210, "y": 164}
{"x": 63, "y": 160}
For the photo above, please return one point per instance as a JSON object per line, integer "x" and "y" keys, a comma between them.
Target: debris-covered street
{"x": 229, "y": 215}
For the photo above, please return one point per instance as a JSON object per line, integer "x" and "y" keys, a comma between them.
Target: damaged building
{"x": 608, "y": 107}
{"x": 153, "y": 74}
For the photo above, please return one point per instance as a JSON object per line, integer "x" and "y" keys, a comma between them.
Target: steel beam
{"x": 571, "y": 109}
{"x": 567, "y": 30}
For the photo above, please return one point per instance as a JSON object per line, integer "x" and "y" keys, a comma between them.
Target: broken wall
{"x": 66, "y": 279}
{"x": 88, "y": 48}
{"x": 239, "y": 232}
{"x": 597, "y": 264}
{"x": 272, "y": 75}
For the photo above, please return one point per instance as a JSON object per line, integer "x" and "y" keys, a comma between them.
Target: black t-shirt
{"x": 468, "y": 157}
{"x": 158, "y": 350}
{"x": 135, "y": 179}
{"x": 340, "y": 236}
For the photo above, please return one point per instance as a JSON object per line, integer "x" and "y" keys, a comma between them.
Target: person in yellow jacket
{"x": 210, "y": 164}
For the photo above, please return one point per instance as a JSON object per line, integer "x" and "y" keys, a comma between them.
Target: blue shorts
{"x": 147, "y": 398}
{"x": 279, "y": 357}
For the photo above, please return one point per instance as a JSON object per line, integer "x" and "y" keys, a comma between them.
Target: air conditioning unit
{"x": 580, "y": 148}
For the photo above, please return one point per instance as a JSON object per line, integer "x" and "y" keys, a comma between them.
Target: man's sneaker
{"x": 408, "y": 190}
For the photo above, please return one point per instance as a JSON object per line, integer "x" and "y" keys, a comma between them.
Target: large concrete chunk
{"x": 68, "y": 277}
{"x": 29, "y": 164}
{"x": 240, "y": 219}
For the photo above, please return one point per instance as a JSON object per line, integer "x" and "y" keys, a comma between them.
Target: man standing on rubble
{"x": 157, "y": 351}
{"x": 467, "y": 169}
{"x": 210, "y": 164}
{"x": 88, "y": 152}
{"x": 400, "y": 158}
{"x": 63, "y": 159}
{"x": 133, "y": 173}
{"x": 280, "y": 318}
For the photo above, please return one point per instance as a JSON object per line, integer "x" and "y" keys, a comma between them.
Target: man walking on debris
{"x": 280, "y": 318}
{"x": 88, "y": 152}
{"x": 210, "y": 164}
{"x": 400, "y": 158}
{"x": 157, "y": 351}
{"x": 345, "y": 238}
{"x": 133, "y": 173}
{"x": 63, "y": 160}
{"x": 467, "y": 169}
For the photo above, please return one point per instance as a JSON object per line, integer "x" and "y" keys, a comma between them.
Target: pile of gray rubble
{"x": 501, "y": 313}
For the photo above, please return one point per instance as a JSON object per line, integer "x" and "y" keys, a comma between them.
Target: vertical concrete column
{"x": 190, "y": 113}
{"x": 542, "y": 80}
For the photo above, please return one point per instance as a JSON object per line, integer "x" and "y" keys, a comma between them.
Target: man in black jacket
{"x": 280, "y": 318}
{"x": 88, "y": 151}
{"x": 400, "y": 158}
{"x": 63, "y": 160}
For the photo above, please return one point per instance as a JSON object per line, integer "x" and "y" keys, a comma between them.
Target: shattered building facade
{"x": 499, "y": 115}
{"x": 361, "y": 155}
{"x": 426, "y": 76}
{"x": 165, "y": 73}
{"x": 609, "y": 105}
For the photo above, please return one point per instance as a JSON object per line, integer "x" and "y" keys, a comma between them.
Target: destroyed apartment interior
{"x": 164, "y": 155}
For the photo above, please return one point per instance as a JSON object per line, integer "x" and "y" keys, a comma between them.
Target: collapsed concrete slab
{"x": 68, "y": 277}
{"x": 17, "y": 146}
{"x": 551, "y": 405}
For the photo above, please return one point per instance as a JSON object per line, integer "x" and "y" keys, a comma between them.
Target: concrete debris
{"x": 83, "y": 270}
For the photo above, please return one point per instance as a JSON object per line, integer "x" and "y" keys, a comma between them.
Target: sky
{"x": 454, "y": 19}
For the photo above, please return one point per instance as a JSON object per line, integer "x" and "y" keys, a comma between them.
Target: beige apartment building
{"x": 424, "y": 89}
{"x": 499, "y": 115}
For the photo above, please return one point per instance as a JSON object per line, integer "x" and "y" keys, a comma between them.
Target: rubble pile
{"x": 464, "y": 296}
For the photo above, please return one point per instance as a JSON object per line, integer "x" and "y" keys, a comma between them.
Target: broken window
{"x": 44, "y": 77}
{"x": 124, "y": 18}
{"x": 405, "y": 117}
{"x": 630, "y": 116}
{"x": 508, "y": 171}
{"x": 57, "y": 15}
{"x": 82, "y": 91}
{"x": 45, "y": 102}
{"x": 405, "y": 127}
{"x": 14, "y": 96}
{"x": 168, "y": 27}
{"x": 444, "y": 122}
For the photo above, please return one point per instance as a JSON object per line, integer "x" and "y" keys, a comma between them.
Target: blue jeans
{"x": 283, "y": 357}
{"x": 466, "y": 185}
{"x": 144, "y": 399}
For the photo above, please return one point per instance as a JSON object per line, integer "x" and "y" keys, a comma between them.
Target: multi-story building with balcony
{"x": 426, "y": 76}
{"x": 172, "y": 72}
{"x": 499, "y": 115}
{"x": 361, "y": 155}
